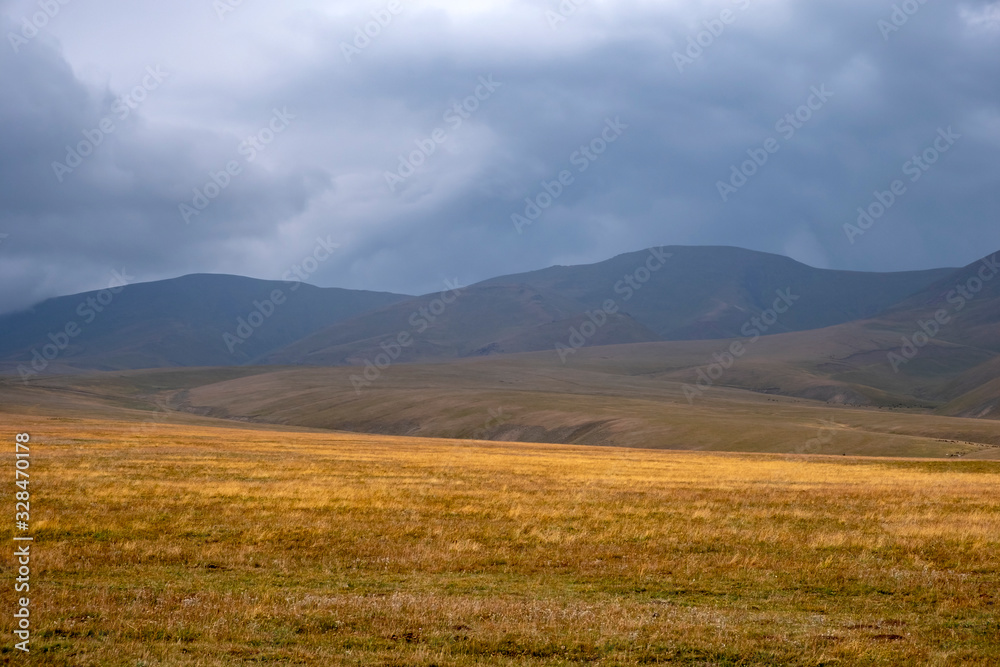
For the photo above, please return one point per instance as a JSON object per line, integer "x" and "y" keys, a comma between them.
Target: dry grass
{"x": 544, "y": 404}
{"x": 185, "y": 545}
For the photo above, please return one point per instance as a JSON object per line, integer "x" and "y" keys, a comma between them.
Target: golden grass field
{"x": 181, "y": 544}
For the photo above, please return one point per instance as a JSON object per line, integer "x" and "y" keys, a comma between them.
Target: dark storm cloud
{"x": 686, "y": 121}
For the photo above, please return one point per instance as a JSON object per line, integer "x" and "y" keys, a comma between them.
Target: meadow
{"x": 193, "y": 544}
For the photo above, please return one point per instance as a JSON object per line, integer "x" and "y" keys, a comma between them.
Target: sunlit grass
{"x": 214, "y": 546}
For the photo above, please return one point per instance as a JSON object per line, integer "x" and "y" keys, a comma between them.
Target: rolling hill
{"x": 709, "y": 292}
{"x": 478, "y": 320}
{"x": 823, "y": 390}
{"x": 670, "y": 293}
{"x": 834, "y": 390}
{"x": 937, "y": 349}
{"x": 195, "y": 320}
{"x": 522, "y": 397}
{"x": 661, "y": 294}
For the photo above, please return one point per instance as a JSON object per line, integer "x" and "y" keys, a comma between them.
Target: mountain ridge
{"x": 655, "y": 294}
{"x": 664, "y": 293}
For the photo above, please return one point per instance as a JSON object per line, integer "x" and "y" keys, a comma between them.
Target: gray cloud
{"x": 324, "y": 175}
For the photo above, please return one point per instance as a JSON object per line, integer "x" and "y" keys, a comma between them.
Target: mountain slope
{"x": 713, "y": 291}
{"x": 471, "y": 321}
{"x": 195, "y": 320}
{"x": 969, "y": 299}
{"x": 670, "y": 293}
{"x": 885, "y": 360}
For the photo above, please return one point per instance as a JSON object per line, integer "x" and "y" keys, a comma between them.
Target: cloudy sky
{"x": 116, "y": 117}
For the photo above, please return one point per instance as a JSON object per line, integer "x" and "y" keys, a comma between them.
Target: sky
{"x": 410, "y": 143}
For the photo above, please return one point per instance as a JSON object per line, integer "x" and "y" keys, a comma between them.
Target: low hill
{"x": 521, "y": 397}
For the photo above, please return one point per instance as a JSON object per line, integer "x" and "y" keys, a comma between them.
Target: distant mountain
{"x": 713, "y": 291}
{"x": 195, "y": 320}
{"x": 940, "y": 345}
{"x": 670, "y": 293}
{"x": 948, "y": 340}
{"x": 970, "y": 299}
{"x": 938, "y": 348}
{"x": 472, "y": 321}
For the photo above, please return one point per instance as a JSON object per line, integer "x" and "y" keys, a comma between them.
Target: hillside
{"x": 712, "y": 292}
{"x": 936, "y": 349}
{"x": 194, "y": 320}
{"x": 661, "y": 294}
{"x": 478, "y": 321}
{"x": 670, "y": 293}
{"x": 529, "y": 397}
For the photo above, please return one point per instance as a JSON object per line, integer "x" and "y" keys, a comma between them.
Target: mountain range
{"x": 928, "y": 338}
{"x": 672, "y": 293}
{"x": 660, "y": 294}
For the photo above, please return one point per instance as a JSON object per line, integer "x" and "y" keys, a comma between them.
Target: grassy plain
{"x": 519, "y": 400}
{"x": 188, "y": 544}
